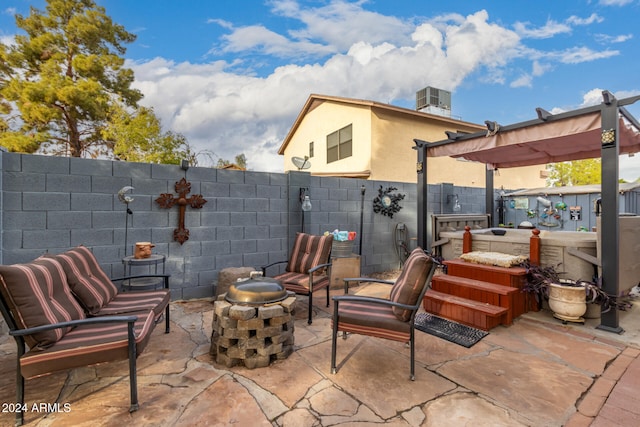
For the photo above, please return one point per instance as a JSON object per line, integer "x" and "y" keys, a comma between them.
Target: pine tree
{"x": 59, "y": 82}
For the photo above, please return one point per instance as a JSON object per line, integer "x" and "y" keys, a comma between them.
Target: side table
{"x": 152, "y": 263}
{"x": 342, "y": 267}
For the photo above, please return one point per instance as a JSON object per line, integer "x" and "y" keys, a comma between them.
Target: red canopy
{"x": 573, "y": 138}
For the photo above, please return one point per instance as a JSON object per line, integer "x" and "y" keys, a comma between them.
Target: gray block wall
{"x": 50, "y": 204}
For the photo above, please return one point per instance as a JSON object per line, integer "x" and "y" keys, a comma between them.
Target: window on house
{"x": 311, "y": 149}
{"x": 339, "y": 144}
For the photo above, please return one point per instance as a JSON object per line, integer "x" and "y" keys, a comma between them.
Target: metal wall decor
{"x": 167, "y": 201}
{"x": 386, "y": 203}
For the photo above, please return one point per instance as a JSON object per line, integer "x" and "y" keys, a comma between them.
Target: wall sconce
{"x": 184, "y": 165}
{"x": 456, "y": 202}
{"x": 305, "y": 203}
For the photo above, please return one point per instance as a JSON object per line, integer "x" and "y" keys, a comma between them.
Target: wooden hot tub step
{"x": 477, "y": 290}
{"x": 472, "y": 313}
{"x": 512, "y": 276}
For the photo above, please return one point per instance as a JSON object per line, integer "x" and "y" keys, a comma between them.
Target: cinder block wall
{"x": 50, "y": 204}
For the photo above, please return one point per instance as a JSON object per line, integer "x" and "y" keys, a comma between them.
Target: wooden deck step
{"x": 472, "y": 313}
{"x": 477, "y": 290}
{"x": 514, "y": 277}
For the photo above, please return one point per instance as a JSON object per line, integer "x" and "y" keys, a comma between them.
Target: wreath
{"x": 386, "y": 203}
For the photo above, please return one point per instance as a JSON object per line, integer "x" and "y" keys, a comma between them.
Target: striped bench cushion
{"x": 368, "y": 318}
{"x": 309, "y": 251}
{"x": 38, "y": 294}
{"x": 410, "y": 283}
{"x": 299, "y": 282}
{"x": 128, "y": 302}
{"x": 88, "y": 345}
{"x": 88, "y": 282}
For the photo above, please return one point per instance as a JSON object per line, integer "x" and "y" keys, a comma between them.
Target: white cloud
{"x": 575, "y": 20}
{"x": 358, "y": 54}
{"x": 553, "y": 28}
{"x": 257, "y": 38}
{"x": 605, "y": 38}
{"x": 615, "y": 2}
{"x": 524, "y": 80}
{"x": 576, "y": 55}
{"x": 550, "y": 29}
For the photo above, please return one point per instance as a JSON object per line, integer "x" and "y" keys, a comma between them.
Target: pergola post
{"x": 488, "y": 205}
{"x": 421, "y": 169}
{"x": 609, "y": 223}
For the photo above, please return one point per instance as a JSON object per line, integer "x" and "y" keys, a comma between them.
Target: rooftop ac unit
{"x": 432, "y": 97}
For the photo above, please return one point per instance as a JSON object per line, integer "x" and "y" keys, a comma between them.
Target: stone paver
{"x": 464, "y": 408}
{"x": 533, "y": 373}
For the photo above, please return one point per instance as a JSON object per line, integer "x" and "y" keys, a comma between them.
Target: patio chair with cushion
{"x": 307, "y": 267}
{"x": 391, "y": 318}
{"x": 64, "y": 313}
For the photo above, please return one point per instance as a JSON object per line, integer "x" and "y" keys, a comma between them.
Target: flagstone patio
{"x": 537, "y": 372}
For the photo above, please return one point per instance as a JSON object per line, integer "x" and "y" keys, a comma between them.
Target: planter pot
{"x": 568, "y": 303}
{"x": 593, "y": 311}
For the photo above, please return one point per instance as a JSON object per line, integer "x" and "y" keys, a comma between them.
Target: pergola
{"x": 605, "y": 130}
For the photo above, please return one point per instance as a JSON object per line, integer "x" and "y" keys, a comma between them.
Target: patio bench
{"x": 64, "y": 312}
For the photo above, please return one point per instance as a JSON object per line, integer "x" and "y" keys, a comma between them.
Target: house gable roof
{"x": 316, "y": 100}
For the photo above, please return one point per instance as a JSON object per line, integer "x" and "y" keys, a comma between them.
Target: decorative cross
{"x": 166, "y": 201}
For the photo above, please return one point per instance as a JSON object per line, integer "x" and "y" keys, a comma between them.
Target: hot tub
{"x": 555, "y": 247}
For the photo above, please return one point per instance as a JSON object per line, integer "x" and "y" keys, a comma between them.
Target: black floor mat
{"x": 457, "y": 333}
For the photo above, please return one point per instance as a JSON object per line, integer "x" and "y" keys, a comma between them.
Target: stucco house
{"x": 367, "y": 139}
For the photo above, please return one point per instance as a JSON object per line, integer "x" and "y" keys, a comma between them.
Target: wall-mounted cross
{"x": 167, "y": 200}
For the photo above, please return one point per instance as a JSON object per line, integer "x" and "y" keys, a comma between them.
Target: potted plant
{"x": 597, "y": 296}
{"x": 568, "y": 299}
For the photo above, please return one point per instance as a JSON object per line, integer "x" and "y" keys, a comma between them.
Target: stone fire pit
{"x": 253, "y": 324}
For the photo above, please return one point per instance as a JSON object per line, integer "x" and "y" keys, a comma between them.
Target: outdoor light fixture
{"x": 126, "y": 200}
{"x": 456, "y": 202}
{"x": 305, "y": 203}
{"x": 184, "y": 165}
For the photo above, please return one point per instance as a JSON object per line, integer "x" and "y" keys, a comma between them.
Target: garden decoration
{"x": 386, "y": 203}
{"x": 167, "y": 201}
{"x": 122, "y": 196}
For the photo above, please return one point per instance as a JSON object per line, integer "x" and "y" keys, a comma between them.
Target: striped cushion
{"x": 87, "y": 345}
{"x": 299, "y": 282}
{"x": 410, "y": 283}
{"x": 87, "y": 280}
{"x": 308, "y": 252}
{"x": 128, "y": 302}
{"x": 38, "y": 294}
{"x": 372, "y": 319}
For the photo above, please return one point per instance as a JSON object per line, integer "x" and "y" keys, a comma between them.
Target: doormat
{"x": 454, "y": 332}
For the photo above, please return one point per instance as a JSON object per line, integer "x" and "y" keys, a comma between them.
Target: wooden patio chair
{"x": 307, "y": 267}
{"x": 391, "y": 318}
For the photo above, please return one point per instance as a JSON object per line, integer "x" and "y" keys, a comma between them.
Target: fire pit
{"x": 253, "y": 324}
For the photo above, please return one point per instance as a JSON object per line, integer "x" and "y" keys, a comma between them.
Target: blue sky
{"x": 232, "y": 75}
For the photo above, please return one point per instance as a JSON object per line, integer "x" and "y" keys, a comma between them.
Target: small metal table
{"x": 152, "y": 262}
